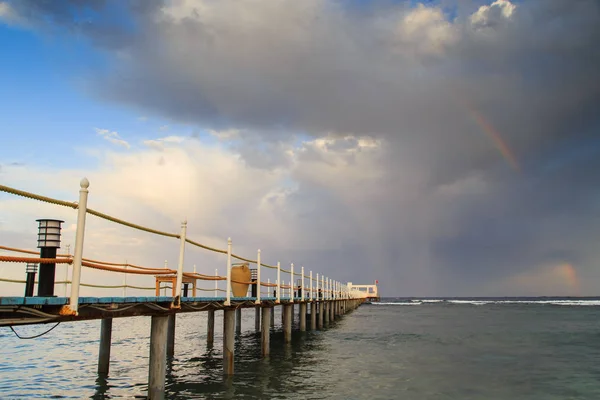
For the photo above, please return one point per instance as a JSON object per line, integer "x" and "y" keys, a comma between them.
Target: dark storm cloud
{"x": 445, "y": 203}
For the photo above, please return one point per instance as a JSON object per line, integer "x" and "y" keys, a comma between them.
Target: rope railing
{"x": 104, "y": 266}
{"x": 323, "y": 285}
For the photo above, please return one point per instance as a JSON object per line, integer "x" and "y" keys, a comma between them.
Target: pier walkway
{"x": 320, "y": 299}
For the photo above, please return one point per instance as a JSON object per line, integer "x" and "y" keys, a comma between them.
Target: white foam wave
{"x": 572, "y": 303}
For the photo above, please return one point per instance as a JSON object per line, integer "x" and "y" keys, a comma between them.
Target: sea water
{"x": 398, "y": 349}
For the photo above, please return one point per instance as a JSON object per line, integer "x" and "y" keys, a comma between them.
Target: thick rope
{"x": 130, "y": 224}
{"x": 125, "y": 223}
{"x": 18, "y": 250}
{"x": 35, "y": 260}
{"x": 37, "y": 197}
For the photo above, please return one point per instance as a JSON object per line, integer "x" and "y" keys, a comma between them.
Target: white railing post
{"x": 125, "y": 280}
{"x": 258, "y": 287}
{"x": 79, "y": 236}
{"x": 269, "y": 288}
{"x": 228, "y": 298}
{"x": 317, "y": 288}
{"x": 177, "y": 298}
{"x": 292, "y": 285}
{"x": 302, "y": 285}
{"x": 216, "y": 282}
{"x": 278, "y": 299}
{"x": 310, "y": 294}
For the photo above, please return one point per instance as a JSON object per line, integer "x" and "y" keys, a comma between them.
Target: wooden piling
{"x": 228, "y": 340}
{"x": 331, "y": 311}
{"x": 273, "y": 318}
{"x": 238, "y": 320}
{"x": 210, "y": 328}
{"x": 313, "y": 316}
{"x": 257, "y": 319}
{"x": 320, "y": 316}
{"x": 105, "y": 342}
{"x": 287, "y": 324}
{"x": 302, "y": 317}
{"x": 266, "y": 331}
{"x": 158, "y": 357}
{"x": 171, "y": 336}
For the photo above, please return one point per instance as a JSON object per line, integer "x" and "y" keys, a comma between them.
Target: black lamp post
{"x": 48, "y": 242}
{"x": 31, "y": 269}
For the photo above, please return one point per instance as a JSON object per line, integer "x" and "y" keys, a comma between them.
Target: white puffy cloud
{"x": 112, "y": 137}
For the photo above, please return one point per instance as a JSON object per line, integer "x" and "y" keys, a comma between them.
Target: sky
{"x": 443, "y": 148}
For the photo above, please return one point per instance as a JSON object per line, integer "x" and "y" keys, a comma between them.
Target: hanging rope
{"x": 36, "y": 336}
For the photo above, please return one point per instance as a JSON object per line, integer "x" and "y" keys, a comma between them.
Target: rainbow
{"x": 569, "y": 273}
{"x": 493, "y": 135}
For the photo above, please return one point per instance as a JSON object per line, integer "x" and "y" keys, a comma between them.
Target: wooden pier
{"x": 44, "y": 310}
{"x": 320, "y": 300}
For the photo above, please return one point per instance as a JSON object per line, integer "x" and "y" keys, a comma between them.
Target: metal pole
{"x": 177, "y": 299}
{"x": 228, "y": 298}
{"x": 79, "y": 236}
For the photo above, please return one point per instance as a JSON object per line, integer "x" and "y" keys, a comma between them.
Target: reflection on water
{"x": 377, "y": 352}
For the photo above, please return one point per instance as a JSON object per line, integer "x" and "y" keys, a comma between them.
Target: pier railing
{"x": 309, "y": 288}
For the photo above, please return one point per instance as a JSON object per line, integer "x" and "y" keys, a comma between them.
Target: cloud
{"x": 112, "y": 137}
{"x": 159, "y": 144}
{"x": 380, "y": 139}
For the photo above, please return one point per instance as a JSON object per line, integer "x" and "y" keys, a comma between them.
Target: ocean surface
{"x": 398, "y": 349}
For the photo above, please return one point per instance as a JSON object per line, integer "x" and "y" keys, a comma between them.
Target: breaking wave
{"x": 476, "y": 302}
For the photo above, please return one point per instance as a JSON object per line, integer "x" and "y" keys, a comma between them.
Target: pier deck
{"x": 36, "y": 310}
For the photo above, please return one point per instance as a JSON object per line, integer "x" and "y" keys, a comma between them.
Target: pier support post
{"x": 210, "y": 328}
{"x": 321, "y": 312}
{"x": 273, "y": 318}
{"x": 257, "y": 318}
{"x": 238, "y": 320}
{"x": 302, "y": 317}
{"x": 105, "y": 339}
{"x": 171, "y": 336}
{"x": 228, "y": 340}
{"x": 158, "y": 357}
{"x": 313, "y": 316}
{"x": 332, "y": 311}
{"x": 287, "y": 324}
{"x": 266, "y": 331}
